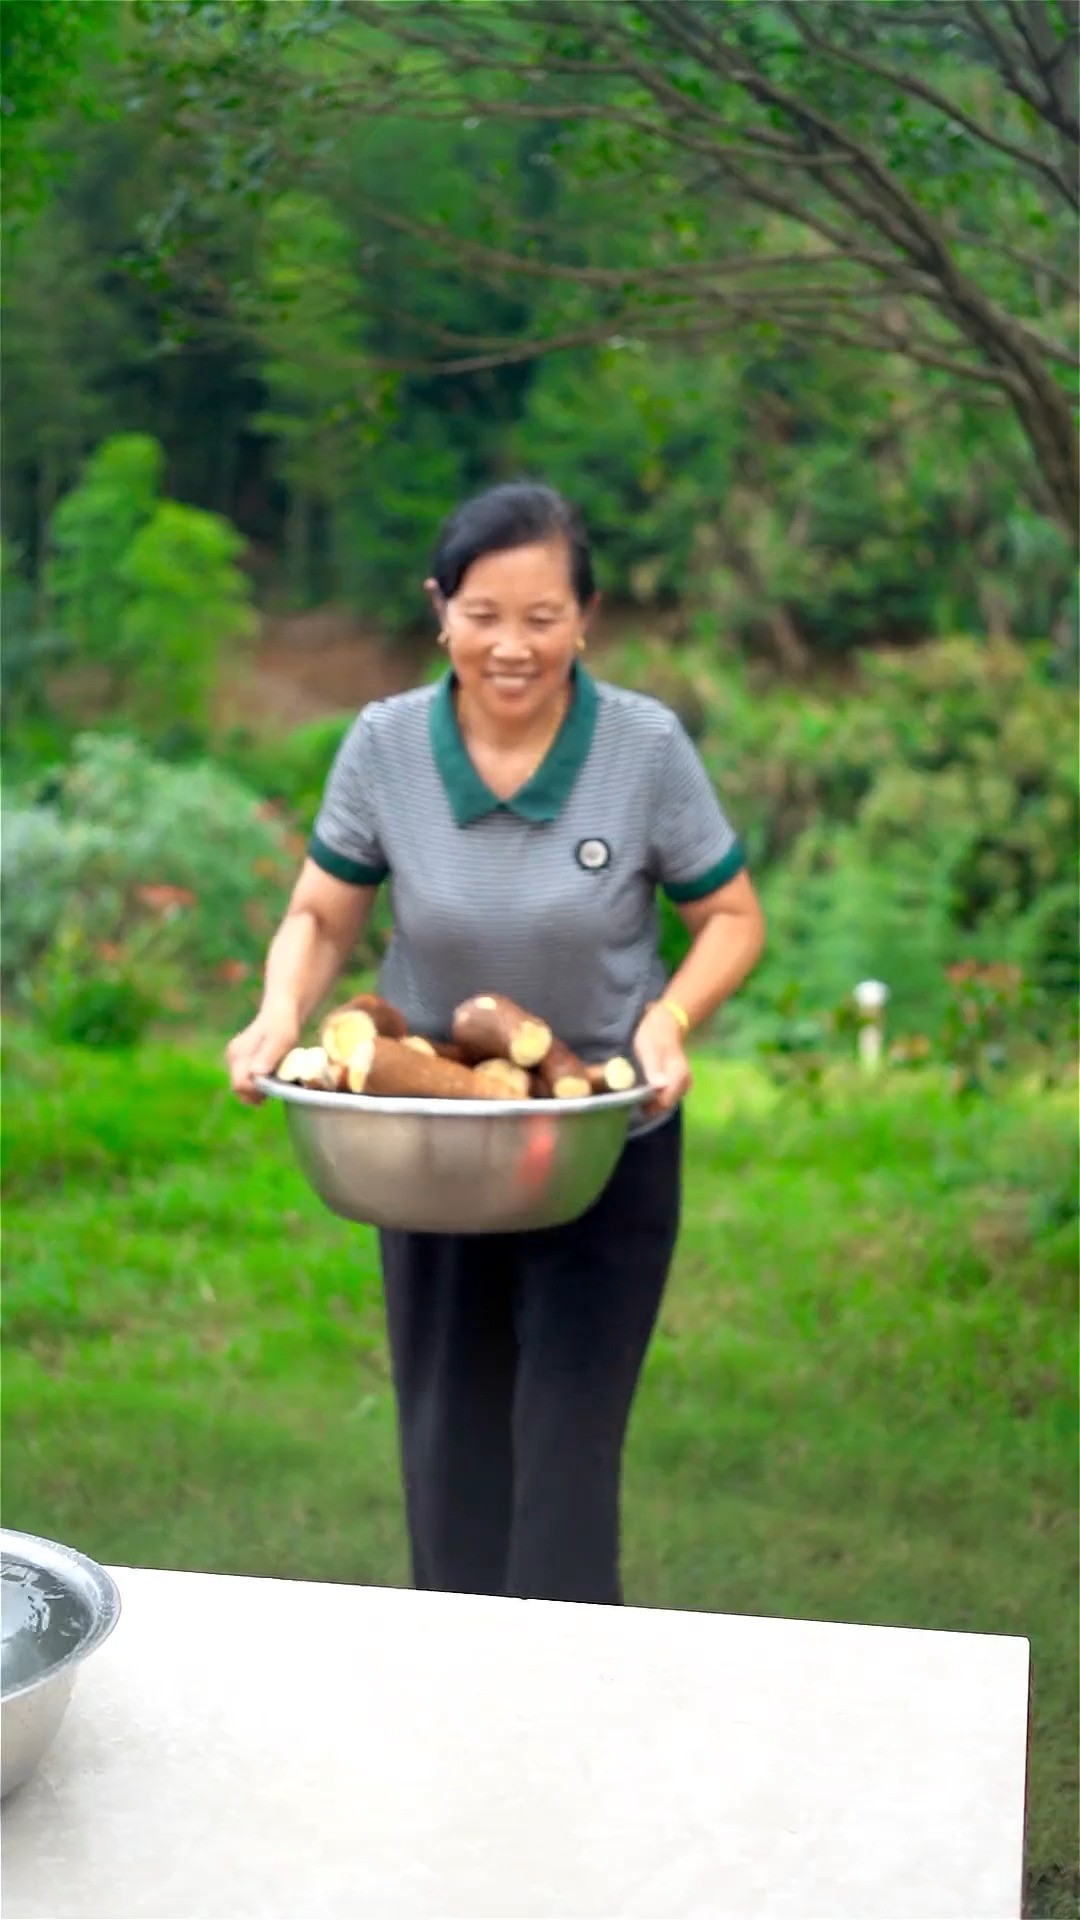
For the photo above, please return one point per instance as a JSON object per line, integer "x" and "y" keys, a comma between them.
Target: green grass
{"x": 860, "y": 1404}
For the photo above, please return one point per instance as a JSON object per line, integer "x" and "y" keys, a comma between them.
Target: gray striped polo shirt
{"x": 550, "y": 896}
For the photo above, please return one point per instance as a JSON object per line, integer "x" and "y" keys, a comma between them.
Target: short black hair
{"x": 519, "y": 514}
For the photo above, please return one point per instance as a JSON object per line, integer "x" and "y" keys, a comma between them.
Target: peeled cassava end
{"x": 417, "y": 1043}
{"x": 514, "y": 1081}
{"x": 385, "y": 1019}
{"x": 343, "y": 1032}
{"x": 309, "y": 1067}
{"x": 292, "y": 1068}
{"x": 613, "y": 1076}
{"x": 490, "y": 1027}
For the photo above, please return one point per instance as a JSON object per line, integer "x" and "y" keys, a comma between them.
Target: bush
{"x": 929, "y": 818}
{"x": 117, "y": 834}
{"x": 289, "y": 769}
{"x": 86, "y": 991}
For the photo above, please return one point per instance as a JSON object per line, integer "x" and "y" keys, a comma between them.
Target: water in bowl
{"x": 41, "y": 1622}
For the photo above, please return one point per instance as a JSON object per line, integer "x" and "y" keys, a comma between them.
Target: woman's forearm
{"x": 725, "y": 950}
{"x": 304, "y": 960}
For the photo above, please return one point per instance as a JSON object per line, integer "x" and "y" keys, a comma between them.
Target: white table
{"x": 296, "y": 1752}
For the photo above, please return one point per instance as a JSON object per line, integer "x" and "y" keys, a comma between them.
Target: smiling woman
{"x": 525, "y": 816}
{"x": 513, "y": 588}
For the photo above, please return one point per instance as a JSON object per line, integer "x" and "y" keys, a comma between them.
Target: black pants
{"x": 515, "y": 1361}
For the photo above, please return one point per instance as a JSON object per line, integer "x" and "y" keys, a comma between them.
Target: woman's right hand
{"x": 261, "y": 1048}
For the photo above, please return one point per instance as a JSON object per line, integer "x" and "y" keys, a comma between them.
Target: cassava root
{"x": 490, "y": 1026}
{"x": 562, "y": 1075}
{"x": 388, "y": 1069}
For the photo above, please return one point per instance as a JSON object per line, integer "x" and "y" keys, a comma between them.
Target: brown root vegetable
{"x": 562, "y": 1075}
{"x": 386, "y": 1020}
{"x": 390, "y": 1070}
{"x": 515, "y": 1081}
{"x": 490, "y": 1026}
{"x": 449, "y": 1050}
{"x": 442, "y": 1049}
{"x": 343, "y": 1031}
{"x": 613, "y": 1076}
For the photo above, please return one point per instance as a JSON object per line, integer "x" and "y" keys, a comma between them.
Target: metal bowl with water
{"x": 456, "y": 1166}
{"x": 56, "y": 1607}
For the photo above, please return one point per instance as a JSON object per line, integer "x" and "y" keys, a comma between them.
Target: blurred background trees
{"x": 783, "y": 296}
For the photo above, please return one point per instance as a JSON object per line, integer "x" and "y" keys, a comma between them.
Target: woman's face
{"x": 514, "y": 629}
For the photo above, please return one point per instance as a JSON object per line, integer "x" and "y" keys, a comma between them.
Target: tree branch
{"x": 499, "y": 260}
{"x": 1044, "y": 105}
{"x": 963, "y": 236}
{"x": 922, "y": 90}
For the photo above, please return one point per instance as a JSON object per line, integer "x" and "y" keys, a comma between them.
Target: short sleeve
{"x": 695, "y": 848}
{"x": 346, "y": 842}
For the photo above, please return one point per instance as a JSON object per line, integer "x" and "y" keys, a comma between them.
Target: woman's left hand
{"x": 660, "y": 1048}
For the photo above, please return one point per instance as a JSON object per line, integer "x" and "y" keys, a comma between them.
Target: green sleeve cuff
{"x": 681, "y": 892}
{"x": 352, "y": 871}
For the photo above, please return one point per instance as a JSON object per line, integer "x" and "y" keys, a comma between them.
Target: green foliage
{"x": 789, "y": 500}
{"x": 90, "y": 992}
{"x": 187, "y": 600}
{"x": 90, "y": 534}
{"x": 283, "y": 306}
{"x": 290, "y": 769}
{"x": 26, "y": 656}
{"x": 646, "y": 444}
{"x": 117, "y": 834}
{"x": 549, "y": 194}
{"x": 145, "y": 588}
{"x": 45, "y": 54}
{"x": 980, "y": 1021}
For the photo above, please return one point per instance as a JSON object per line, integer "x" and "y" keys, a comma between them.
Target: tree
{"x": 146, "y": 589}
{"x": 897, "y": 180}
{"x": 90, "y": 534}
{"x": 45, "y": 53}
{"x": 187, "y": 600}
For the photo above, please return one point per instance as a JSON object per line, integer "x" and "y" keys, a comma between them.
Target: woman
{"x": 525, "y": 816}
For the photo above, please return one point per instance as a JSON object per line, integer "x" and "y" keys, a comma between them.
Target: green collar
{"x": 544, "y": 796}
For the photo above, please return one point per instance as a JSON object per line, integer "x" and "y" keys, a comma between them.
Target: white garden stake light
{"x": 870, "y": 999}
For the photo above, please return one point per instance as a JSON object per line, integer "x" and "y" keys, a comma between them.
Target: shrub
{"x": 290, "y": 769}
{"x": 116, "y": 821}
{"x": 86, "y": 991}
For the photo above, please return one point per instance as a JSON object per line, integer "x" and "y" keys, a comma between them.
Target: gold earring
{"x": 581, "y": 643}
{"x": 443, "y": 639}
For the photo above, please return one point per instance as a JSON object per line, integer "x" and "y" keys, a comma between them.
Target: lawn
{"x": 860, "y": 1405}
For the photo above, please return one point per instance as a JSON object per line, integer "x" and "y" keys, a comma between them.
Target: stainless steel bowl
{"x": 56, "y": 1606}
{"x": 456, "y": 1166}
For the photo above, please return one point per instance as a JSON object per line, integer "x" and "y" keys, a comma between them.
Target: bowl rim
{"x": 451, "y": 1109}
{"x": 92, "y": 1583}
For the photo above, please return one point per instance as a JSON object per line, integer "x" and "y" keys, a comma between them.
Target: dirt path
{"x": 308, "y": 666}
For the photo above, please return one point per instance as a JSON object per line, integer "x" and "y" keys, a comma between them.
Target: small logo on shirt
{"x": 594, "y": 855}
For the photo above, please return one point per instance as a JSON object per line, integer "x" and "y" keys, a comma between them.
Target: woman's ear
{"x": 591, "y": 611}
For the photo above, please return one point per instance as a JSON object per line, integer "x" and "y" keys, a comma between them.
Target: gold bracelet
{"x": 678, "y": 1014}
